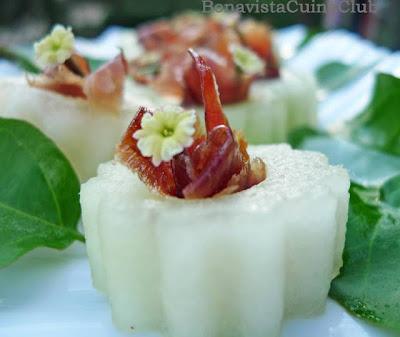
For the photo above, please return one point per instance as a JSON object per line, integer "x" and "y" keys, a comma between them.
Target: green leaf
{"x": 369, "y": 145}
{"x": 369, "y": 281}
{"x": 368, "y": 284}
{"x": 391, "y": 191}
{"x": 366, "y": 166}
{"x": 39, "y": 193}
{"x": 334, "y": 75}
{"x": 20, "y": 59}
{"x": 379, "y": 125}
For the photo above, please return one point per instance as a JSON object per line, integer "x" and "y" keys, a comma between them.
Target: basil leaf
{"x": 379, "y": 125}
{"x": 334, "y": 75}
{"x": 369, "y": 281}
{"x": 391, "y": 191}
{"x": 366, "y": 166}
{"x": 370, "y": 152}
{"x": 39, "y": 193}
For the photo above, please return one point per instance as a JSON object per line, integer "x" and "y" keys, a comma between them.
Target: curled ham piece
{"x": 66, "y": 79}
{"x": 170, "y": 39}
{"x": 102, "y": 88}
{"x": 215, "y": 164}
{"x": 160, "y": 177}
{"x": 233, "y": 87}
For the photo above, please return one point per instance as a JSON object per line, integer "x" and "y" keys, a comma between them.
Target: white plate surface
{"x": 49, "y": 294}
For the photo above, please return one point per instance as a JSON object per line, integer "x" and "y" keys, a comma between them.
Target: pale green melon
{"x": 274, "y": 108}
{"x": 237, "y": 265}
{"x": 88, "y": 136}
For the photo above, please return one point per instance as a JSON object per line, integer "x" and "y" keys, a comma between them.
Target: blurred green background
{"x": 26, "y": 20}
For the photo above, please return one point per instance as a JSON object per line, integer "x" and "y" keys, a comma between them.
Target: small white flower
{"x": 165, "y": 133}
{"x": 56, "y": 47}
{"x": 246, "y": 60}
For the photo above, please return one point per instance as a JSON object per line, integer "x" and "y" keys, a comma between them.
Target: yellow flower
{"x": 166, "y": 133}
{"x": 56, "y": 47}
{"x": 246, "y": 60}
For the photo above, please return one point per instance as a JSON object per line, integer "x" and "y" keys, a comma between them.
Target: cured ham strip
{"x": 213, "y": 39}
{"x": 218, "y": 159}
{"x": 59, "y": 79}
{"x": 156, "y": 35}
{"x": 78, "y": 65}
{"x": 212, "y": 105}
{"x": 161, "y": 177}
{"x": 217, "y": 163}
{"x": 104, "y": 88}
{"x": 232, "y": 86}
{"x": 221, "y": 156}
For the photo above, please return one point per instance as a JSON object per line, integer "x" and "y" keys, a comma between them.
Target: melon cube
{"x": 237, "y": 265}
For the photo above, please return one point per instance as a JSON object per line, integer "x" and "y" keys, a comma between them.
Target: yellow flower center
{"x": 165, "y": 133}
{"x": 168, "y": 132}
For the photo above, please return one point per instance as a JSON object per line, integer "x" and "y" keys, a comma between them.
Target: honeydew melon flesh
{"x": 275, "y": 107}
{"x": 88, "y": 136}
{"x": 85, "y": 135}
{"x": 236, "y": 265}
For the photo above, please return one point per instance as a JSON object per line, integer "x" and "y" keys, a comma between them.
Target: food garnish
{"x": 55, "y": 48}
{"x": 224, "y": 41}
{"x": 246, "y": 60}
{"x": 68, "y": 73}
{"x": 206, "y": 165}
{"x": 39, "y": 193}
{"x": 165, "y": 133}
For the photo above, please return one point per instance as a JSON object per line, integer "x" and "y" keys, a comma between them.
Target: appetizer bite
{"x": 199, "y": 235}
{"x": 260, "y": 98}
{"x": 81, "y": 110}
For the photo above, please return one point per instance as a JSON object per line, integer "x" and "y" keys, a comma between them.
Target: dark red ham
{"x": 233, "y": 86}
{"x": 217, "y": 163}
{"x": 161, "y": 177}
{"x": 173, "y": 76}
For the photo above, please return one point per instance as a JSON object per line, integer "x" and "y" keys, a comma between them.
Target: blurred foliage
{"x": 23, "y": 61}
{"x": 128, "y": 14}
{"x": 25, "y": 20}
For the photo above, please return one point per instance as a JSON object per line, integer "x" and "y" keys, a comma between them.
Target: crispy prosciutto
{"x": 66, "y": 79}
{"x": 171, "y": 74}
{"x": 233, "y": 86}
{"x": 102, "y": 88}
{"x": 215, "y": 164}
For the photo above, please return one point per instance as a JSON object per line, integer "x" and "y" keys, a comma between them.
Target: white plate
{"x": 49, "y": 294}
